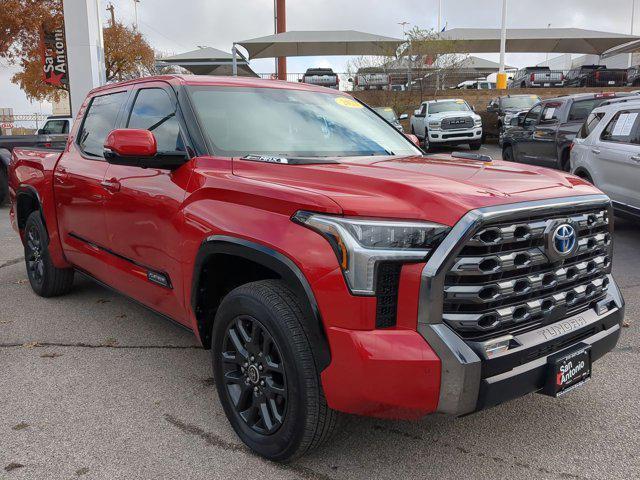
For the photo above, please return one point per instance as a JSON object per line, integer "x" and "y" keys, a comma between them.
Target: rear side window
{"x": 550, "y": 113}
{"x": 153, "y": 110}
{"x": 99, "y": 120}
{"x": 590, "y": 124}
{"x": 623, "y": 128}
{"x": 579, "y": 111}
{"x": 53, "y": 127}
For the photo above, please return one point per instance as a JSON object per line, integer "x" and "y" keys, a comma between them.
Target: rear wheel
{"x": 507, "y": 153}
{"x": 45, "y": 279}
{"x": 265, "y": 373}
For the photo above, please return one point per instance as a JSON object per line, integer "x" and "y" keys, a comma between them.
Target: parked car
{"x": 545, "y": 134}
{"x": 328, "y": 264}
{"x": 323, "y": 77}
{"x": 501, "y": 110}
{"x": 596, "y": 76}
{"x": 606, "y": 152}
{"x": 530, "y": 77}
{"x": 52, "y": 135}
{"x": 449, "y": 121}
{"x": 475, "y": 85}
{"x": 633, "y": 76}
{"x": 369, "y": 79}
{"x": 514, "y": 122}
{"x": 389, "y": 114}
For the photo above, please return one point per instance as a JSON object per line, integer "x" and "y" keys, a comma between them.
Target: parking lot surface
{"x": 94, "y": 386}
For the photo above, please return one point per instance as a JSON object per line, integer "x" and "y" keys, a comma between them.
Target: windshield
{"x": 520, "y": 103}
{"x": 453, "y": 106}
{"x": 242, "y": 121}
{"x": 387, "y": 113}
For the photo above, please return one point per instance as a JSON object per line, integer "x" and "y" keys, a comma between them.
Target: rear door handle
{"x": 596, "y": 151}
{"x": 111, "y": 185}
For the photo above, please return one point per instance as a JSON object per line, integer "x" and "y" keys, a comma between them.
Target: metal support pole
{"x": 633, "y": 16}
{"x": 501, "y": 81}
{"x": 234, "y": 61}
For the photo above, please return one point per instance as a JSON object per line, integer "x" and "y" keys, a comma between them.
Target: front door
{"x": 543, "y": 149}
{"x": 523, "y": 136}
{"x": 78, "y": 184}
{"x": 142, "y": 209}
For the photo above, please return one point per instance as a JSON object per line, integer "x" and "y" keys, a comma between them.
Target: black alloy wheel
{"x": 254, "y": 375}
{"x": 34, "y": 255}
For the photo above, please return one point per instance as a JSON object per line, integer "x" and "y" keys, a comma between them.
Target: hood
{"x": 441, "y": 115}
{"x": 437, "y": 188}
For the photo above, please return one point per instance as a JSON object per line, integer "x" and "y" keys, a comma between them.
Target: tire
{"x": 507, "y": 153}
{"x": 261, "y": 355}
{"x": 475, "y": 145}
{"x": 4, "y": 185}
{"x": 46, "y": 280}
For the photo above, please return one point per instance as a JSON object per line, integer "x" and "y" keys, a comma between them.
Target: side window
{"x": 153, "y": 110}
{"x": 53, "y": 127}
{"x": 550, "y": 113}
{"x": 423, "y": 109}
{"x": 99, "y": 120}
{"x": 532, "y": 117}
{"x": 622, "y": 128}
{"x": 590, "y": 124}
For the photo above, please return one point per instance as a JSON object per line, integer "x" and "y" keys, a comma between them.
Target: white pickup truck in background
{"x": 449, "y": 121}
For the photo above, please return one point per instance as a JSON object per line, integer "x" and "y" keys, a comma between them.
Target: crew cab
{"x": 328, "y": 264}
{"x": 52, "y": 135}
{"x": 501, "y": 110}
{"x": 537, "y": 76}
{"x": 596, "y": 76}
{"x": 324, "y": 77}
{"x": 545, "y": 134}
{"x": 447, "y": 122}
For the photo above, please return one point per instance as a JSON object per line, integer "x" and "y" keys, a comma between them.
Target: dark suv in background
{"x": 545, "y": 133}
{"x": 596, "y": 76}
{"x": 501, "y": 110}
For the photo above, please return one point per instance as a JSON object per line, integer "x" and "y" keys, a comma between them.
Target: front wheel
{"x": 507, "y": 153}
{"x": 265, "y": 373}
{"x": 46, "y": 280}
{"x": 475, "y": 145}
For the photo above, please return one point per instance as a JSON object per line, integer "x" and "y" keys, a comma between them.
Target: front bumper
{"x": 454, "y": 137}
{"x": 472, "y": 381}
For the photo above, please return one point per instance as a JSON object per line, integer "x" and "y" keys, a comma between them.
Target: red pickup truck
{"x": 327, "y": 262}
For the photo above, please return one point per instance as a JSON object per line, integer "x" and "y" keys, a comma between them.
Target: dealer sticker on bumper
{"x": 568, "y": 371}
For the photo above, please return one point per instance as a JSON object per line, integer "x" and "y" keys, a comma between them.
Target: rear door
{"x": 78, "y": 183}
{"x": 618, "y": 152}
{"x": 142, "y": 207}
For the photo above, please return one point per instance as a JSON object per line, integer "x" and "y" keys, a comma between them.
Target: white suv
{"x": 447, "y": 122}
{"x": 606, "y": 152}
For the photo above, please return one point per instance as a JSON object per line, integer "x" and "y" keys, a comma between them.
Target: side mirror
{"x": 403, "y": 116}
{"x": 415, "y": 140}
{"x": 491, "y": 108}
{"x": 473, "y": 108}
{"x": 138, "y": 148}
{"x": 40, "y": 131}
{"x": 350, "y": 80}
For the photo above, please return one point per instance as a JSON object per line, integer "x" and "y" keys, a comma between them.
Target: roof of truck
{"x": 213, "y": 80}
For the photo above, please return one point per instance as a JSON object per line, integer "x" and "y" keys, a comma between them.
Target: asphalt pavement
{"x": 94, "y": 386}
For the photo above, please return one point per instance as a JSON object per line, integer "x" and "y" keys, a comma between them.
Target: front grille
{"x": 504, "y": 281}
{"x": 457, "y": 123}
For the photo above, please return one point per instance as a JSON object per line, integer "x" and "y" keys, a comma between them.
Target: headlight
{"x": 477, "y": 122}
{"x": 361, "y": 244}
{"x": 434, "y": 125}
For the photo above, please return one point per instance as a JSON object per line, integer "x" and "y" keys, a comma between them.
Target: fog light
{"x": 497, "y": 346}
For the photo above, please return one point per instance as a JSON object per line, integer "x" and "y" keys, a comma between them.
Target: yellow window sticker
{"x": 348, "y": 102}
{"x": 459, "y": 101}
{"x": 388, "y": 109}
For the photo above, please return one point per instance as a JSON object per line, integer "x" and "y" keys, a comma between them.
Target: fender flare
{"x": 288, "y": 272}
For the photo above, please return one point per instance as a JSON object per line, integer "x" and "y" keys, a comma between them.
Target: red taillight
{"x": 571, "y": 145}
{"x": 597, "y": 75}
{"x": 533, "y": 76}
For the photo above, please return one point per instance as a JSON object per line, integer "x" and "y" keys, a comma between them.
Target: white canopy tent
{"x": 534, "y": 40}
{"x": 312, "y": 43}
{"x": 631, "y": 47}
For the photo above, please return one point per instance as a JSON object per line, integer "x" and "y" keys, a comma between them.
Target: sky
{"x": 177, "y": 26}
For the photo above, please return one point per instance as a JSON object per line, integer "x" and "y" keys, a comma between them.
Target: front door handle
{"x": 61, "y": 175}
{"x": 596, "y": 151}
{"x": 111, "y": 185}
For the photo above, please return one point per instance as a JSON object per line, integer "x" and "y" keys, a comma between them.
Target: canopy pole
{"x": 234, "y": 61}
{"x": 501, "y": 81}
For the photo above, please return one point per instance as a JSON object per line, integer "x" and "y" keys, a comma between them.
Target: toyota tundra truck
{"x": 328, "y": 263}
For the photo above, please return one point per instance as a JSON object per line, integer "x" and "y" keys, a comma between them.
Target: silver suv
{"x": 606, "y": 152}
